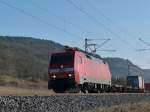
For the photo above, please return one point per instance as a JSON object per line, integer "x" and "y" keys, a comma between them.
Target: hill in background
{"x": 119, "y": 67}
{"x": 27, "y": 58}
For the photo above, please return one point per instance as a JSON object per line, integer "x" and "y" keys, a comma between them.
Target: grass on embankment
{"x": 17, "y": 91}
{"x": 27, "y": 83}
{"x": 136, "y": 107}
{"x": 14, "y": 86}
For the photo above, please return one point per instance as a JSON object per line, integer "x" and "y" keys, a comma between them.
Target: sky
{"x": 69, "y": 22}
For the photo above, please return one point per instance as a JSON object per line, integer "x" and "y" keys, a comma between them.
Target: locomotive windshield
{"x": 62, "y": 58}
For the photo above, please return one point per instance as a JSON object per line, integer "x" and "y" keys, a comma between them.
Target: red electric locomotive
{"x": 74, "y": 70}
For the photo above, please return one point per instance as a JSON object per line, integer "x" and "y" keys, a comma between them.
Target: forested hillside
{"x": 122, "y": 67}
{"x": 26, "y": 58}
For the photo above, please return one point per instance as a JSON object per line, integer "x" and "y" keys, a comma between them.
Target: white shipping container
{"x": 141, "y": 82}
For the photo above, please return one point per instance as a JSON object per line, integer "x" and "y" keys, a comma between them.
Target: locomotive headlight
{"x": 70, "y": 75}
{"x": 54, "y": 76}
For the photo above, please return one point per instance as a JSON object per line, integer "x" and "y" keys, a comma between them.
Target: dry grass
{"x": 16, "y": 91}
{"x": 19, "y": 87}
{"x": 136, "y": 107}
{"x": 28, "y": 83}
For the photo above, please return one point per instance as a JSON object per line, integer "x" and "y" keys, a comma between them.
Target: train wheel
{"x": 99, "y": 91}
{"x": 86, "y": 91}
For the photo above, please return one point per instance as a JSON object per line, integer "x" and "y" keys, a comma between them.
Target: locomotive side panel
{"x": 90, "y": 71}
{"x": 105, "y": 71}
{"x": 96, "y": 71}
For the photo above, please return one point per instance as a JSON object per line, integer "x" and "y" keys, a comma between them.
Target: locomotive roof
{"x": 92, "y": 56}
{"x": 78, "y": 49}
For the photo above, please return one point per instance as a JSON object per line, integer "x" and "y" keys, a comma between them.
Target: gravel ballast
{"x": 66, "y": 103}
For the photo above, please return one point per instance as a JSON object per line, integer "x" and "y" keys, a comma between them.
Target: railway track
{"x": 95, "y": 94}
{"x": 68, "y": 102}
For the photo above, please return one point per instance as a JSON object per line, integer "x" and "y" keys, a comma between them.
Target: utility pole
{"x": 86, "y": 45}
{"x": 128, "y": 67}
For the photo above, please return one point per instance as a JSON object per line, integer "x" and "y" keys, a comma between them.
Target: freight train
{"x": 77, "y": 71}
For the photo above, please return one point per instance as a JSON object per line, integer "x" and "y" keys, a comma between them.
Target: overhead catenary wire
{"x": 144, "y": 42}
{"x": 48, "y": 11}
{"x": 98, "y": 11}
{"x": 96, "y": 39}
{"x": 105, "y": 50}
{"x": 107, "y": 18}
{"x": 139, "y": 50}
{"x": 99, "y": 46}
{"x": 100, "y": 23}
{"x": 92, "y": 6}
{"x": 38, "y": 18}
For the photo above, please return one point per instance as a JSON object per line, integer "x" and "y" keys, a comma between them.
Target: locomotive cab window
{"x": 62, "y": 58}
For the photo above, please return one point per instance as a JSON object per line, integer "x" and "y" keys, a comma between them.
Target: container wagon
{"x": 147, "y": 87}
{"x": 135, "y": 84}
